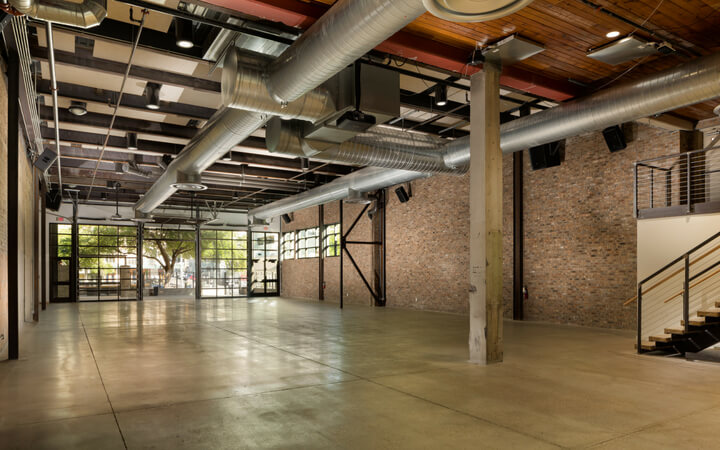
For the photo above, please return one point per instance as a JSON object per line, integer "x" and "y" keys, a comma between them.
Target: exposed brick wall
{"x": 26, "y": 257}
{"x": 580, "y": 233}
{"x": 428, "y": 247}
{"x": 300, "y": 276}
{"x": 580, "y": 237}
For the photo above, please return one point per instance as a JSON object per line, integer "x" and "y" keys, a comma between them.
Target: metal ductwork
{"x": 685, "y": 85}
{"x": 226, "y": 129}
{"x": 688, "y": 84}
{"x": 347, "y": 31}
{"x": 380, "y": 146}
{"x": 342, "y": 35}
{"x": 87, "y": 14}
{"x": 243, "y": 87}
{"x": 365, "y": 180}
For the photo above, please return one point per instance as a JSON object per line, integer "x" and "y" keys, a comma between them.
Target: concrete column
{"x": 485, "y": 218}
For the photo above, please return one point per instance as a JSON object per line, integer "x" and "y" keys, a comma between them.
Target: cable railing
{"x": 679, "y": 184}
{"x": 28, "y": 76}
{"x": 670, "y": 298}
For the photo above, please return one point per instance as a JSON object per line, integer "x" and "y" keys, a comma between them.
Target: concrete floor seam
{"x": 369, "y": 380}
{"x": 97, "y": 367}
{"x": 227, "y": 397}
{"x": 650, "y": 426}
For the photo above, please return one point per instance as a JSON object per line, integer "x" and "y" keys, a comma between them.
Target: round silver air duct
{"x": 474, "y": 10}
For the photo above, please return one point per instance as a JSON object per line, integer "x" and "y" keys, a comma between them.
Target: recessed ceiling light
{"x": 613, "y": 34}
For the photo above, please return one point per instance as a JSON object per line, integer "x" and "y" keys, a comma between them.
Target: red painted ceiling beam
{"x": 407, "y": 45}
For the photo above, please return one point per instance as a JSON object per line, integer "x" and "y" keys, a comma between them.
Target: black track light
{"x": 152, "y": 95}
{"x": 440, "y": 95}
{"x": 132, "y": 141}
{"x": 184, "y": 33}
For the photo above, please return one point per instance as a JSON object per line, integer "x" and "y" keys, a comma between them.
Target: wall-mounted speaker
{"x": 53, "y": 199}
{"x": 402, "y": 194}
{"x": 615, "y": 138}
{"x": 286, "y": 218}
{"x": 547, "y": 155}
{"x": 45, "y": 160}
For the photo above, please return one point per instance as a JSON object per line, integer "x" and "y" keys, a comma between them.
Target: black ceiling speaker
{"x": 615, "y": 138}
{"x": 286, "y": 218}
{"x": 53, "y": 199}
{"x": 402, "y": 194}
{"x": 547, "y": 155}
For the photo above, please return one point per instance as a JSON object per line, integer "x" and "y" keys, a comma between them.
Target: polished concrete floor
{"x": 290, "y": 374}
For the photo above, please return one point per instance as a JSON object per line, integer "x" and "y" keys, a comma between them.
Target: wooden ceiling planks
{"x": 569, "y": 28}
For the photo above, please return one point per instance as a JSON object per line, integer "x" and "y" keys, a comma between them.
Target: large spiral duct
{"x": 691, "y": 83}
{"x": 87, "y": 14}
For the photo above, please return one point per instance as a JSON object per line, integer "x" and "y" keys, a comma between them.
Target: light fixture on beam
{"x": 77, "y": 108}
{"x": 628, "y": 49}
{"x": 133, "y": 169}
{"x": 152, "y": 95}
{"x": 184, "y": 33}
{"x": 131, "y": 141}
{"x": 164, "y": 161}
{"x": 228, "y": 156}
{"x": 511, "y": 50}
{"x": 440, "y": 95}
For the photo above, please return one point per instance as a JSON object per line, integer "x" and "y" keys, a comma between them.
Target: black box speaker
{"x": 53, "y": 199}
{"x": 547, "y": 155}
{"x": 615, "y": 138}
{"x": 45, "y": 160}
{"x": 402, "y": 194}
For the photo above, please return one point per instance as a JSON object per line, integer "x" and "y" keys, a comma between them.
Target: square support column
{"x": 486, "y": 222}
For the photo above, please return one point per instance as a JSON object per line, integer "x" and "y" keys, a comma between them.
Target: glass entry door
{"x": 107, "y": 262}
{"x": 264, "y": 263}
{"x": 224, "y": 262}
{"x": 60, "y": 262}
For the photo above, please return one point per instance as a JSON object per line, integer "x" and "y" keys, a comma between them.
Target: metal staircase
{"x": 678, "y": 306}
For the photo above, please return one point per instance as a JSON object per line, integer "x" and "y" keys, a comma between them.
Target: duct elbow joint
{"x": 88, "y": 14}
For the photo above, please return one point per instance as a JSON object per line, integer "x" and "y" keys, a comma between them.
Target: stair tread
{"x": 647, "y": 345}
{"x": 696, "y": 321}
{"x": 679, "y": 330}
{"x": 661, "y": 338}
{"x": 710, "y": 312}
